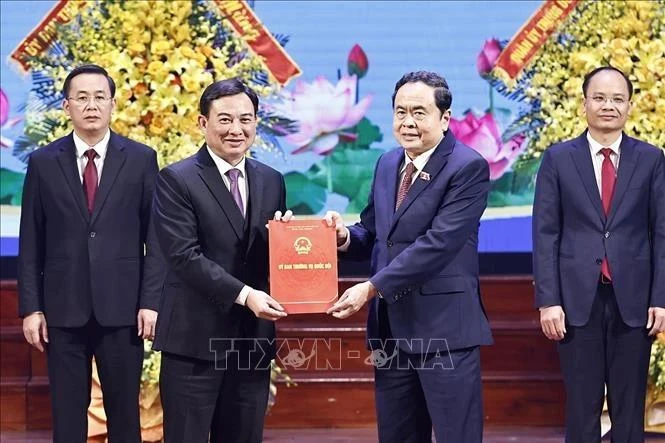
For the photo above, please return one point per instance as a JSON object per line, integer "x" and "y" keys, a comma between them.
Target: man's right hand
{"x": 34, "y": 330}
{"x": 332, "y": 218}
{"x": 264, "y": 306}
{"x": 553, "y": 322}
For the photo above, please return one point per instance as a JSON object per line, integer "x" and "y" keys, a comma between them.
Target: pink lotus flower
{"x": 488, "y": 55}
{"x": 323, "y": 111}
{"x": 357, "y": 62}
{"x": 482, "y": 134}
{"x": 4, "y": 107}
{"x": 5, "y": 121}
{"x": 7, "y": 160}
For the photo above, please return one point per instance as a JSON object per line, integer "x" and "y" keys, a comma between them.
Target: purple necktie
{"x": 235, "y": 190}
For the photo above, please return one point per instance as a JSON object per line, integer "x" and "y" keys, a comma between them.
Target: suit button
{"x": 607, "y": 234}
{"x": 92, "y": 234}
{"x": 389, "y": 244}
{"x": 599, "y": 261}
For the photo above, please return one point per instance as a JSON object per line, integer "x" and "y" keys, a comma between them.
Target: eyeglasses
{"x": 83, "y": 100}
{"x": 601, "y": 100}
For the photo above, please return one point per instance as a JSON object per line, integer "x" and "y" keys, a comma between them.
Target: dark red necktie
{"x": 90, "y": 179}
{"x": 607, "y": 181}
{"x": 405, "y": 185}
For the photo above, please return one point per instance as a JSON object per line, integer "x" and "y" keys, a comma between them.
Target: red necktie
{"x": 405, "y": 185}
{"x": 608, "y": 178}
{"x": 90, "y": 179}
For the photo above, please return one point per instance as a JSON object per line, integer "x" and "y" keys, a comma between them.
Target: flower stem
{"x": 491, "y": 100}
{"x": 329, "y": 168}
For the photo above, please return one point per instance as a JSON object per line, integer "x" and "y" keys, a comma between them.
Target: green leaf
{"x": 350, "y": 170}
{"x": 525, "y": 175}
{"x": 367, "y": 134}
{"x": 304, "y": 196}
{"x": 359, "y": 201}
{"x": 11, "y": 187}
{"x": 504, "y": 183}
{"x": 500, "y": 199}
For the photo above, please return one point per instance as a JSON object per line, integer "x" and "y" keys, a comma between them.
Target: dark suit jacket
{"x": 571, "y": 233}
{"x": 71, "y": 263}
{"x": 212, "y": 252}
{"x": 424, "y": 257}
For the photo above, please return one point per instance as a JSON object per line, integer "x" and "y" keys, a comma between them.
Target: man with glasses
{"x": 599, "y": 261}
{"x": 89, "y": 279}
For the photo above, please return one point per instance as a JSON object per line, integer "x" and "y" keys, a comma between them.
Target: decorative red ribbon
{"x": 278, "y": 63}
{"x": 241, "y": 17}
{"x": 45, "y": 32}
{"x": 531, "y": 36}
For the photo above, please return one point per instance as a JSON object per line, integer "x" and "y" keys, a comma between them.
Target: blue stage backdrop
{"x": 326, "y": 72}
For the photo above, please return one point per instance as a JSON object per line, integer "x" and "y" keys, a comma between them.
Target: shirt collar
{"x": 224, "y": 166}
{"x": 100, "y": 148}
{"x": 422, "y": 159}
{"x": 596, "y": 147}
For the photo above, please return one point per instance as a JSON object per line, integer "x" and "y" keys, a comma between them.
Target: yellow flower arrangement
{"x": 629, "y": 35}
{"x": 152, "y": 363}
{"x": 657, "y": 365}
{"x": 161, "y": 56}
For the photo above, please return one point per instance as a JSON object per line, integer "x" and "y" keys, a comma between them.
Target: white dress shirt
{"x": 419, "y": 163}
{"x": 100, "y": 148}
{"x": 223, "y": 167}
{"x": 597, "y": 157}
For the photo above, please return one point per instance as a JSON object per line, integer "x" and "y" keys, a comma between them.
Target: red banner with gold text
{"x": 261, "y": 42}
{"x": 531, "y": 36}
{"x": 45, "y": 32}
{"x": 263, "y": 45}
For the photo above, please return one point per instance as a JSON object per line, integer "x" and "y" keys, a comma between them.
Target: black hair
{"x": 223, "y": 88}
{"x": 87, "y": 69}
{"x": 442, "y": 95}
{"x": 590, "y": 75}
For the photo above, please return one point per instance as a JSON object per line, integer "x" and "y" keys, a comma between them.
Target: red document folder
{"x": 303, "y": 265}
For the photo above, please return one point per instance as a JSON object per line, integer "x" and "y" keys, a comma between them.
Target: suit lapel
{"x": 390, "y": 183}
{"x": 627, "y": 161}
{"x": 213, "y": 180}
{"x": 433, "y": 166}
{"x": 67, "y": 161}
{"x": 581, "y": 155}
{"x": 113, "y": 162}
{"x": 255, "y": 192}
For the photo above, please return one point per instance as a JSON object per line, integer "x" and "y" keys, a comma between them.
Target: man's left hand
{"x": 146, "y": 321}
{"x": 352, "y": 300}
{"x": 656, "y": 320}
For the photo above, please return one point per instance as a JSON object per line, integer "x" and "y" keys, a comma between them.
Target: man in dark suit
{"x": 85, "y": 282}
{"x": 216, "y": 329}
{"x": 599, "y": 261}
{"x": 420, "y": 228}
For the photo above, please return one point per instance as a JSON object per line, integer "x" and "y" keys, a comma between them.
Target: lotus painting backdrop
{"x": 325, "y": 72}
